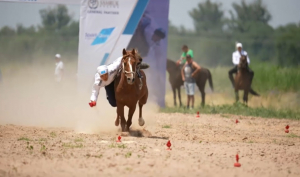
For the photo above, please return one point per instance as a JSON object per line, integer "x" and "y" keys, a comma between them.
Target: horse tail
{"x": 210, "y": 80}
{"x": 253, "y": 92}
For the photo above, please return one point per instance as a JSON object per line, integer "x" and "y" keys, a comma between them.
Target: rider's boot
{"x": 141, "y": 66}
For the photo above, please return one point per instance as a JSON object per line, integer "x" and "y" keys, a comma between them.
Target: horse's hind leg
{"x": 120, "y": 109}
{"x": 179, "y": 96}
{"x": 174, "y": 95}
{"x": 130, "y": 114}
{"x": 202, "y": 95}
{"x": 245, "y": 98}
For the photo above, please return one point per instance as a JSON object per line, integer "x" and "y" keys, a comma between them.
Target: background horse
{"x": 127, "y": 90}
{"x": 176, "y": 82}
{"x": 243, "y": 80}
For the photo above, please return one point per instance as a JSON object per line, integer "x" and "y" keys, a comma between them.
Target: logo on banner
{"x": 109, "y": 4}
{"x": 103, "y": 36}
{"x": 93, "y": 4}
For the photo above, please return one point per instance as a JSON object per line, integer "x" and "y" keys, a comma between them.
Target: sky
{"x": 282, "y": 11}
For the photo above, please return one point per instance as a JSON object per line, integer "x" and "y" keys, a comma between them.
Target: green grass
{"x": 166, "y": 126}
{"x": 292, "y": 135}
{"x": 53, "y": 134}
{"x": 267, "y": 78}
{"x": 128, "y": 154}
{"x": 42, "y": 139}
{"x": 121, "y": 146}
{"x": 24, "y": 139}
{"x": 78, "y": 140}
{"x": 70, "y": 145}
{"x": 238, "y": 109}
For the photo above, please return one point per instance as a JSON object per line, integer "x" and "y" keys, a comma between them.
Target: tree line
{"x": 214, "y": 35}
{"x": 212, "y": 39}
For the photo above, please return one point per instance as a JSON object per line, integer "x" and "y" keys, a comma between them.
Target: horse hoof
{"x": 141, "y": 121}
{"x": 117, "y": 123}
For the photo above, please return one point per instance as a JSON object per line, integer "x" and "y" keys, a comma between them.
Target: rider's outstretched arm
{"x": 96, "y": 87}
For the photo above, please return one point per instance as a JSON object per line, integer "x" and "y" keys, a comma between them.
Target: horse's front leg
{"x": 179, "y": 96}
{"x": 236, "y": 95}
{"x": 120, "y": 110}
{"x": 245, "y": 98}
{"x": 117, "y": 121}
{"x": 130, "y": 115}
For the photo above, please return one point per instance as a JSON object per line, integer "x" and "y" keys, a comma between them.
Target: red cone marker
{"x": 169, "y": 145}
{"x": 237, "y": 164}
{"x": 198, "y": 114}
{"x": 287, "y": 129}
{"x": 119, "y": 139}
{"x": 237, "y": 121}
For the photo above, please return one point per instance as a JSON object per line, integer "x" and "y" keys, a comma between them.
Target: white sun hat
{"x": 57, "y": 56}
{"x": 102, "y": 69}
{"x": 239, "y": 45}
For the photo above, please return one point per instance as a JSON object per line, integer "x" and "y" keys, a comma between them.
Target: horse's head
{"x": 129, "y": 63}
{"x": 243, "y": 62}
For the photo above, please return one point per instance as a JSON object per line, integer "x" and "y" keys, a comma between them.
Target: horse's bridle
{"x": 128, "y": 72}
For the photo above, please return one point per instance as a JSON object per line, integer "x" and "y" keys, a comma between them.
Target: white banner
{"x": 102, "y": 24}
{"x": 46, "y": 1}
{"x": 108, "y": 26}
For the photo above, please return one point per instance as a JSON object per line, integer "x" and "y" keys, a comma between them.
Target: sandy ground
{"x": 203, "y": 146}
{"x": 48, "y": 129}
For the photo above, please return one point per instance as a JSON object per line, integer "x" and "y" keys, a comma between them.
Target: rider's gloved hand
{"x": 92, "y": 103}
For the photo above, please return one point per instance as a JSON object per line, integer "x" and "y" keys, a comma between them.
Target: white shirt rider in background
{"x": 236, "y": 60}
{"x": 59, "y": 69}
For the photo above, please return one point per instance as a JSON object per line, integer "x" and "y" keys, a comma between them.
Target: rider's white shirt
{"x": 112, "y": 71}
{"x": 237, "y": 55}
{"x": 58, "y": 71}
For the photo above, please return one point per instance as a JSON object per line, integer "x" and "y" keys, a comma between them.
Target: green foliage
{"x": 58, "y": 34}
{"x": 207, "y": 16}
{"x": 239, "y": 109}
{"x": 247, "y": 15}
{"x": 54, "y": 19}
{"x": 288, "y": 46}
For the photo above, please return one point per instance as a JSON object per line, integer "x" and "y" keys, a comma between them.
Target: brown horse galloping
{"x": 243, "y": 80}
{"x": 176, "y": 82}
{"x": 127, "y": 90}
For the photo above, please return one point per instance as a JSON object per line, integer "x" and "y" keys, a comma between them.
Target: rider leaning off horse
{"x": 236, "y": 60}
{"x": 105, "y": 77}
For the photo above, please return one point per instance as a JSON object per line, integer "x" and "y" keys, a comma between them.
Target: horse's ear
{"x": 133, "y": 51}
{"x": 124, "y": 51}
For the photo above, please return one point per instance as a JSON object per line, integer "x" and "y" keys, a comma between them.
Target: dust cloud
{"x": 29, "y": 96}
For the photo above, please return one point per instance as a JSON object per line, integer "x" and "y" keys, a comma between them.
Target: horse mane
{"x": 171, "y": 64}
{"x": 240, "y": 65}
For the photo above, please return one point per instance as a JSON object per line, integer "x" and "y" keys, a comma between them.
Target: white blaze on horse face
{"x": 130, "y": 67}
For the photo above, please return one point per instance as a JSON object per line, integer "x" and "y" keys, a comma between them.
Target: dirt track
{"x": 203, "y": 146}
